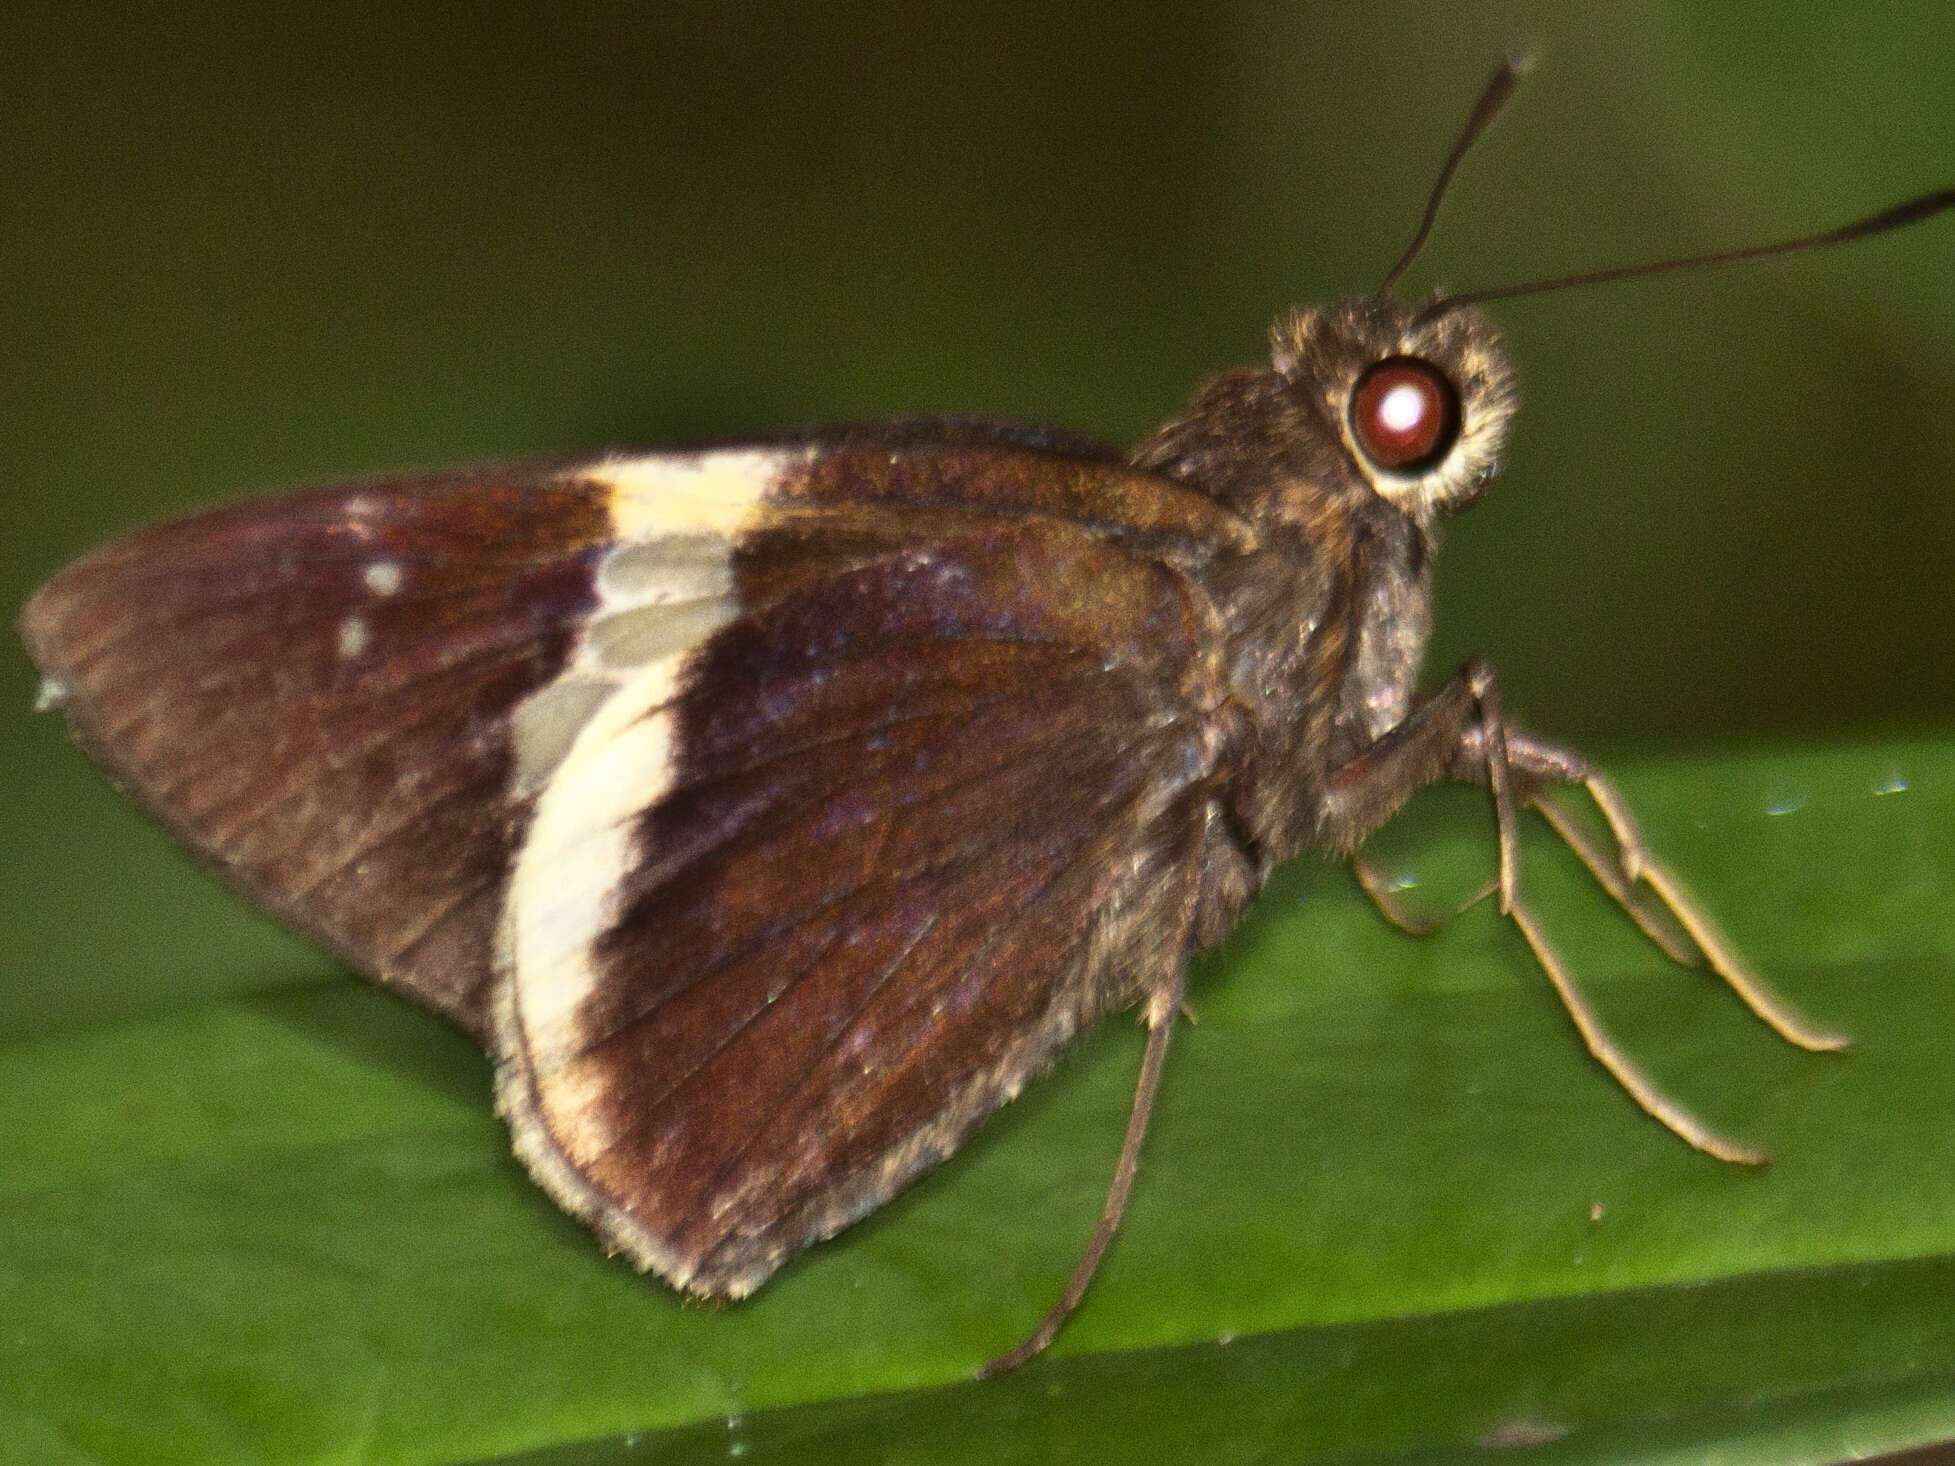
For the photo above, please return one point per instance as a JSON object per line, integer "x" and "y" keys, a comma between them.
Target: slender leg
{"x": 1459, "y": 733}
{"x": 1439, "y": 739}
{"x": 1608, "y": 1053}
{"x": 1656, "y": 923}
{"x": 1367, "y": 791}
{"x": 1162, "y": 1009}
{"x": 1638, "y": 863}
{"x": 1166, "y": 1001}
{"x": 1377, "y": 885}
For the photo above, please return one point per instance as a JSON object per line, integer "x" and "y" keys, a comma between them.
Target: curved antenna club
{"x": 1493, "y": 97}
{"x": 1897, "y": 217}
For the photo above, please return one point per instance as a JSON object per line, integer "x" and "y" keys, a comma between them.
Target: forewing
{"x": 313, "y": 693}
{"x": 923, "y": 808}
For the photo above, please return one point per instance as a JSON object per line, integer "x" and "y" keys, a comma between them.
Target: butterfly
{"x": 772, "y": 811}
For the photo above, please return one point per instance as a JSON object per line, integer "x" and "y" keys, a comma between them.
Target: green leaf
{"x": 1389, "y": 1208}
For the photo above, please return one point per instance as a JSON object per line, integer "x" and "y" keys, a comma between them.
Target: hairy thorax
{"x": 1325, "y": 621}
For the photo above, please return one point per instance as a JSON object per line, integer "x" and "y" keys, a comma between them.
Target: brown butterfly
{"x": 773, "y": 811}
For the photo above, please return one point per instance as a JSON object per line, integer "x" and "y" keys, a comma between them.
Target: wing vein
{"x": 1060, "y": 867}
{"x": 728, "y": 848}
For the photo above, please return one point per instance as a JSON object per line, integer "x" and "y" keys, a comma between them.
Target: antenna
{"x": 1500, "y": 86}
{"x": 1897, "y": 217}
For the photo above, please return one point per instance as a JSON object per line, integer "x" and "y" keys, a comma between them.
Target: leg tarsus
{"x": 1162, "y": 1010}
{"x": 1656, "y": 923}
{"x": 1641, "y": 865}
{"x": 1378, "y": 886}
{"x": 1500, "y": 779}
{"x": 1653, "y": 1102}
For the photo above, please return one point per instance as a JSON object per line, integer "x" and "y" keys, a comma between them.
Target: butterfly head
{"x": 1420, "y": 401}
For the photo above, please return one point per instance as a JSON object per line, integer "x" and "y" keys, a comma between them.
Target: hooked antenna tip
{"x": 1493, "y": 96}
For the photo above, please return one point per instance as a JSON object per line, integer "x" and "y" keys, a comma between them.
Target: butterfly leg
{"x": 1460, "y": 733}
{"x": 1164, "y": 1002}
{"x": 1639, "y": 864}
{"x": 1656, "y": 923}
{"x": 1162, "y": 1008}
{"x": 1384, "y": 895}
{"x": 1678, "y": 925}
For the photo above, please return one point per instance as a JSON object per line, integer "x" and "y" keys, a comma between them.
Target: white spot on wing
{"x": 354, "y": 637}
{"x": 636, "y": 637}
{"x": 383, "y": 577}
{"x": 50, "y": 694}
{"x": 548, "y": 722}
{"x": 675, "y": 567}
{"x": 575, "y": 1097}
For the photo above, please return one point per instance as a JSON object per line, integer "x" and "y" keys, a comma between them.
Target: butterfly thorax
{"x": 1327, "y": 619}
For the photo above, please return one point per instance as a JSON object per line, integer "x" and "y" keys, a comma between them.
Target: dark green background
{"x": 245, "y": 246}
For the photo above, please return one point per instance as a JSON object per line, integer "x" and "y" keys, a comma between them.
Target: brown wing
{"x": 926, "y": 808}
{"x": 313, "y": 693}
{"x": 316, "y": 693}
{"x": 805, "y": 794}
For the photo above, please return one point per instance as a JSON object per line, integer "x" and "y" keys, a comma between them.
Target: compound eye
{"x": 1404, "y": 414}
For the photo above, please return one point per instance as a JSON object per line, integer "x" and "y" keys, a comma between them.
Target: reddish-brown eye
{"x": 1405, "y": 414}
